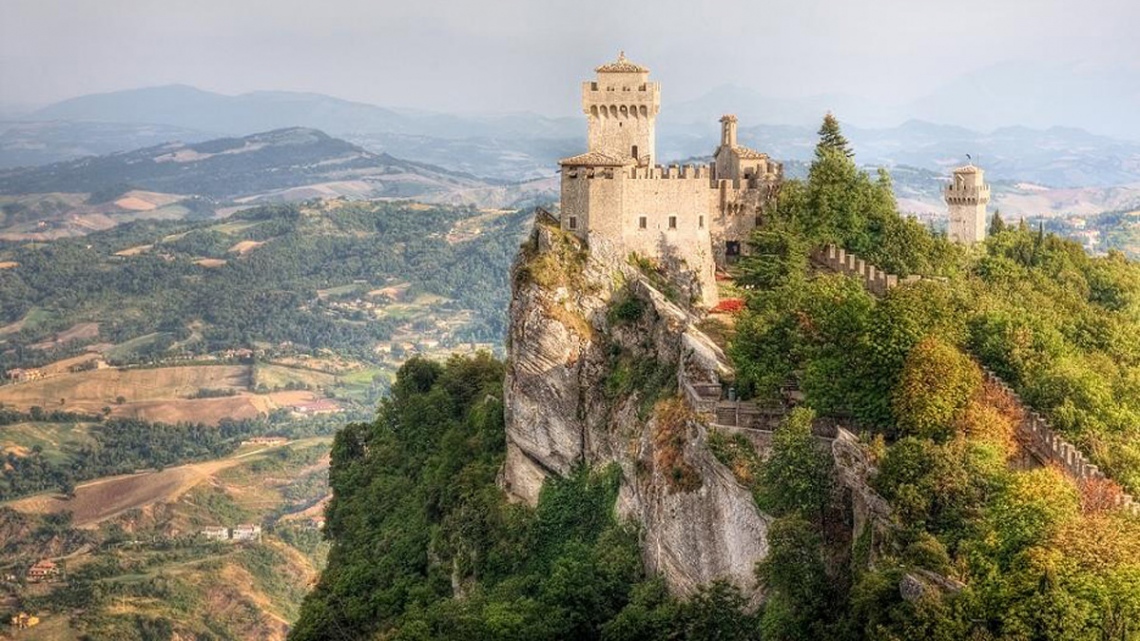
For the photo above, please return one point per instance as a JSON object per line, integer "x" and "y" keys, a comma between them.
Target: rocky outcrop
{"x": 595, "y": 356}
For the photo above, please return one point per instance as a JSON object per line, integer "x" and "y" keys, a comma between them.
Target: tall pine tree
{"x": 831, "y": 139}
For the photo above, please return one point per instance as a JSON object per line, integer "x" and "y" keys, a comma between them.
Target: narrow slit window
{"x": 572, "y": 223}
{"x": 701, "y": 222}
{"x": 672, "y": 222}
{"x": 642, "y": 222}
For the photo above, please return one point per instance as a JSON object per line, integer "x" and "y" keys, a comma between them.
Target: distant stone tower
{"x": 967, "y": 196}
{"x": 621, "y": 107}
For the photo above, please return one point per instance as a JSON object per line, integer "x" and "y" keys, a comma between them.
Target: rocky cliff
{"x": 595, "y": 358}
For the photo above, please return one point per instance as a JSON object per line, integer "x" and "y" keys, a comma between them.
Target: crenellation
{"x": 1035, "y": 433}
{"x": 698, "y": 215}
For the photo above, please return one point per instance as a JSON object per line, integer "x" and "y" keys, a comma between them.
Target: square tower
{"x": 621, "y": 106}
{"x": 967, "y": 196}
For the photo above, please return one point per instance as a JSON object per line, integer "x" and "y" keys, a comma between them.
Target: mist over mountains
{"x": 521, "y": 146}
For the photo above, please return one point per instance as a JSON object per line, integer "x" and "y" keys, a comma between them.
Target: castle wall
{"x": 1034, "y": 432}
{"x": 613, "y": 202}
{"x": 681, "y": 195}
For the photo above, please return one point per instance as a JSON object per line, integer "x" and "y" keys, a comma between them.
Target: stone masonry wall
{"x": 1048, "y": 447}
{"x": 1042, "y": 442}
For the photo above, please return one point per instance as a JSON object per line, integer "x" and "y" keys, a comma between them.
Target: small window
{"x": 642, "y": 222}
{"x": 672, "y": 222}
{"x": 572, "y": 223}
{"x": 701, "y": 222}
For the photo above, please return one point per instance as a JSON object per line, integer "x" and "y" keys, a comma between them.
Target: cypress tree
{"x": 997, "y": 225}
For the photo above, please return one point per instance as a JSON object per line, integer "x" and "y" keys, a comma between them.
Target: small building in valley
{"x": 23, "y": 621}
{"x": 44, "y": 570}
{"x": 216, "y": 533}
{"x": 270, "y": 441}
{"x": 21, "y": 375}
{"x": 246, "y": 532}
{"x": 319, "y": 406}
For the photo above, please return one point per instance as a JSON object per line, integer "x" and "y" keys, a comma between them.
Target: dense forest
{"x": 268, "y": 295}
{"x": 1063, "y": 328}
{"x": 416, "y": 519}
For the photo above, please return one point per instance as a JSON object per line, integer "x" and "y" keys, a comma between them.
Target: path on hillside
{"x": 100, "y": 499}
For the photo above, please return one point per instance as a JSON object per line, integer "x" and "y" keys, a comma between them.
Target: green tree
{"x": 997, "y": 225}
{"x": 831, "y": 139}
{"x": 797, "y": 478}
{"x": 802, "y": 596}
{"x": 936, "y": 383}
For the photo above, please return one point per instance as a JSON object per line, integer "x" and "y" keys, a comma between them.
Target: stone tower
{"x": 621, "y": 106}
{"x": 967, "y": 196}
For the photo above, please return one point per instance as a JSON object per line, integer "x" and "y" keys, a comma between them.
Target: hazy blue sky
{"x": 460, "y": 55}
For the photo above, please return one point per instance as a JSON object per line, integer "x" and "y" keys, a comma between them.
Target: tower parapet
{"x": 621, "y": 106}
{"x": 967, "y": 196}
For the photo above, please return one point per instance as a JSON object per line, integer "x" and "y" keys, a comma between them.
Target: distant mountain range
{"x": 522, "y": 146}
{"x": 229, "y": 169}
{"x": 1033, "y": 94}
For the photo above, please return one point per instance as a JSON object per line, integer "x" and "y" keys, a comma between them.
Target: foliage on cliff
{"x": 1060, "y": 326}
{"x": 1016, "y": 545}
{"x": 425, "y": 546}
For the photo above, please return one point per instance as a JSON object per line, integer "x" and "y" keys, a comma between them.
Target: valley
{"x": 165, "y": 374}
{"x": 130, "y": 554}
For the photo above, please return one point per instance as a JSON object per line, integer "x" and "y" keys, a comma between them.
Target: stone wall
{"x": 1044, "y": 444}
{"x": 1048, "y": 447}
{"x": 877, "y": 281}
{"x": 679, "y": 212}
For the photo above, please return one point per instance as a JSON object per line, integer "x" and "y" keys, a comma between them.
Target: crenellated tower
{"x": 967, "y": 196}
{"x": 621, "y": 105}
{"x": 692, "y": 218}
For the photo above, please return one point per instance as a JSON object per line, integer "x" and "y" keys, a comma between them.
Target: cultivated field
{"x": 141, "y": 389}
{"x": 104, "y": 498}
{"x": 54, "y": 438}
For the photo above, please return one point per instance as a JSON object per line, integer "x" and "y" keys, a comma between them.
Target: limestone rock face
{"x": 569, "y": 401}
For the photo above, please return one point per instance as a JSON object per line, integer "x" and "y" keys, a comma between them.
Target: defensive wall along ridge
{"x": 1043, "y": 443}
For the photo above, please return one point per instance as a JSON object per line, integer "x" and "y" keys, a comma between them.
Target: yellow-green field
{"x": 53, "y": 438}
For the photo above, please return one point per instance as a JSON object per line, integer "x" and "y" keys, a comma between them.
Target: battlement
{"x": 672, "y": 172}
{"x": 966, "y": 195}
{"x": 658, "y": 172}
{"x": 1048, "y": 447}
{"x": 594, "y": 88}
{"x": 876, "y": 281}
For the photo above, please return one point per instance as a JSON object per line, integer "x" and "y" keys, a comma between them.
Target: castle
{"x": 699, "y": 214}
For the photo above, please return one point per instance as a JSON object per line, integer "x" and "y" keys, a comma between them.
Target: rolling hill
{"x": 228, "y": 169}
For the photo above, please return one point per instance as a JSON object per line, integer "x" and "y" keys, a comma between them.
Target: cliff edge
{"x": 595, "y": 360}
